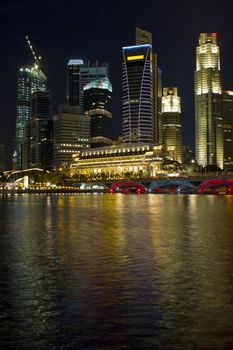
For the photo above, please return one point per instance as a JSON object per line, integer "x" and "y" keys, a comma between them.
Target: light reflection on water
{"x": 116, "y": 272}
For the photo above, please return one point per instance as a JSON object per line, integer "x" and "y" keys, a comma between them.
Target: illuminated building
{"x": 71, "y": 132}
{"x": 38, "y": 152}
{"x": 228, "y": 128}
{"x": 2, "y": 157}
{"x": 88, "y": 73}
{"x": 114, "y": 162}
{"x": 30, "y": 79}
{"x": 137, "y": 91}
{"x": 145, "y": 37}
{"x": 171, "y": 121}
{"x": 208, "y": 102}
{"x": 98, "y": 106}
{"x": 73, "y": 82}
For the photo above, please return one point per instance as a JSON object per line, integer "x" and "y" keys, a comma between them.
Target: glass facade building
{"x": 227, "y": 102}
{"x": 30, "y": 79}
{"x": 73, "y": 82}
{"x": 39, "y": 152}
{"x": 137, "y": 91}
{"x": 208, "y": 102}
{"x": 171, "y": 121}
{"x": 145, "y": 37}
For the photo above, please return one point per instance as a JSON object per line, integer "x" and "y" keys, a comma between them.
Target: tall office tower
{"x": 227, "y": 101}
{"x": 39, "y": 152}
{"x": 88, "y": 73}
{"x": 2, "y": 157}
{"x": 171, "y": 116}
{"x": 145, "y": 37}
{"x": 98, "y": 106}
{"x": 137, "y": 91}
{"x": 71, "y": 133}
{"x": 208, "y": 102}
{"x": 30, "y": 79}
{"x": 73, "y": 82}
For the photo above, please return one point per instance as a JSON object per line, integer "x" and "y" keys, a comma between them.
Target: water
{"x": 116, "y": 272}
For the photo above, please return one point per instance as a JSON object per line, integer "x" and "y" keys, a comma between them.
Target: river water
{"x": 109, "y": 272}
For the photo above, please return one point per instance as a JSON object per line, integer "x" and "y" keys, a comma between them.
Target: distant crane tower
{"x": 37, "y": 59}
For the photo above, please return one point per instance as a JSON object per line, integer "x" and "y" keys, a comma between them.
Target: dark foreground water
{"x": 114, "y": 272}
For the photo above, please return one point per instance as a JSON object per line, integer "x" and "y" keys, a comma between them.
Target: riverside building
{"x": 208, "y": 102}
{"x": 115, "y": 162}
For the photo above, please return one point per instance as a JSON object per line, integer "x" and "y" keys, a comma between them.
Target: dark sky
{"x": 63, "y": 29}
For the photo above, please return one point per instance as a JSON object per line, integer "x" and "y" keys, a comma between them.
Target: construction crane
{"x": 37, "y": 59}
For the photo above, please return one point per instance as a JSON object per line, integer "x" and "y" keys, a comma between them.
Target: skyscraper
{"x": 71, "y": 133}
{"x": 145, "y": 37}
{"x": 40, "y": 130}
{"x": 228, "y": 129}
{"x": 208, "y": 102}
{"x": 2, "y": 157}
{"x": 73, "y": 82}
{"x": 88, "y": 73}
{"x": 30, "y": 79}
{"x": 98, "y": 106}
{"x": 171, "y": 121}
{"x": 137, "y": 91}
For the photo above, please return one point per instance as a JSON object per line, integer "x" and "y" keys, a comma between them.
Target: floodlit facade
{"x": 137, "y": 91}
{"x": 118, "y": 162}
{"x": 71, "y": 132}
{"x": 208, "y": 102}
{"x": 171, "y": 121}
{"x": 73, "y": 82}
{"x": 98, "y": 106}
{"x": 228, "y": 129}
{"x": 30, "y": 79}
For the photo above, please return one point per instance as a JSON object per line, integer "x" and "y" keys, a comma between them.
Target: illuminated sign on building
{"x": 135, "y": 58}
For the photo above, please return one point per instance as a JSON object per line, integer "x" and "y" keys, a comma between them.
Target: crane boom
{"x": 37, "y": 59}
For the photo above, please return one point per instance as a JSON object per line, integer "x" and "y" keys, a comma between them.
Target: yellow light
{"x": 134, "y": 58}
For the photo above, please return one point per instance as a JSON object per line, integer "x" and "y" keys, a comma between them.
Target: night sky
{"x": 60, "y": 30}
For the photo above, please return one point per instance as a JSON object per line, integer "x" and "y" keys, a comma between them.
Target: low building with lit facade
{"x": 114, "y": 162}
{"x": 98, "y": 106}
{"x": 171, "y": 122}
{"x": 227, "y": 103}
{"x": 71, "y": 132}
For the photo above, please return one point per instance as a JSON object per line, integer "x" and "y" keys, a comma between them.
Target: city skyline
{"x": 174, "y": 45}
